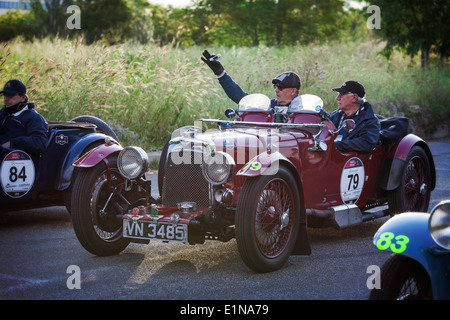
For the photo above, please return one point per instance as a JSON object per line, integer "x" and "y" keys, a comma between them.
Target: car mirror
{"x": 348, "y": 124}
{"x": 230, "y": 113}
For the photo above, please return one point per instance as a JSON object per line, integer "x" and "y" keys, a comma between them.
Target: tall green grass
{"x": 145, "y": 92}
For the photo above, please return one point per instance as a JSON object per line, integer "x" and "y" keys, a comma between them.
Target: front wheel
{"x": 267, "y": 220}
{"x": 96, "y": 224}
{"x": 402, "y": 279}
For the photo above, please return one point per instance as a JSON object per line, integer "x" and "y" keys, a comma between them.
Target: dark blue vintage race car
{"x": 31, "y": 181}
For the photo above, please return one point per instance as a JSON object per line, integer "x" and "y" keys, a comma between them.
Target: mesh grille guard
{"x": 184, "y": 181}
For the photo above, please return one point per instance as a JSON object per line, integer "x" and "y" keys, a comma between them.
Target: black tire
{"x": 402, "y": 279}
{"x": 267, "y": 220}
{"x": 413, "y": 193}
{"x": 67, "y": 195}
{"x": 102, "y": 126}
{"x": 100, "y": 234}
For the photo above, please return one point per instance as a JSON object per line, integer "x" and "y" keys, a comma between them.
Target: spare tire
{"x": 102, "y": 126}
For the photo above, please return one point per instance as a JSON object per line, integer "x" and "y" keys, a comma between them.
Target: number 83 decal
{"x": 388, "y": 240}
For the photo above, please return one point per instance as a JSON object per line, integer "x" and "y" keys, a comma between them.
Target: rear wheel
{"x": 267, "y": 220}
{"x": 413, "y": 193}
{"x": 97, "y": 227}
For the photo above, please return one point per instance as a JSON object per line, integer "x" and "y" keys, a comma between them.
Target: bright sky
{"x": 173, "y": 3}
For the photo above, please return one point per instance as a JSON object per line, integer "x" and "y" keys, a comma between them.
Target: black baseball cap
{"x": 288, "y": 80}
{"x": 352, "y": 87}
{"x": 14, "y": 87}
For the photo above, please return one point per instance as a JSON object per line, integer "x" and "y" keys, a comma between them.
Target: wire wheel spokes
{"x": 416, "y": 185}
{"x": 409, "y": 290}
{"x": 104, "y": 222}
{"x": 274, "y": 218}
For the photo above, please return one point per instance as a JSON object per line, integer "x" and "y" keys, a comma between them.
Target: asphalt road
{"x": 41, "y": 258}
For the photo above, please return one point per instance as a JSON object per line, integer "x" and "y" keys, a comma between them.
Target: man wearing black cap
{"x": 364, "y": 136}
{"x": 21, "y": 127}
{"x": 287, "y": 85}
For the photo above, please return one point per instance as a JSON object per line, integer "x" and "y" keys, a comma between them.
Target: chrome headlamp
{"x": 218, "y": 167}
{"x": 132, "y": 162}
{"x": 439, "y": 224}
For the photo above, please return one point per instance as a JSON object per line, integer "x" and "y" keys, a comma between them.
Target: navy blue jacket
{"x": 364, "y": 137}
{"x": 25, "y": 128}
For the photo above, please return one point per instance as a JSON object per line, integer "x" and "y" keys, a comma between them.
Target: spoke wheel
{"x": 413, "y": 193}
{"x": 267, "y": 220}
{"x": 97, "y": 227}
{"x": 272, "y": 217}
{"x": 107, "y": 227}
{"x": 402, "y": 279}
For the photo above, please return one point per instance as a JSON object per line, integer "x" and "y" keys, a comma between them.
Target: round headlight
{"x": 218, "y": 168}
{"x": 132, "y": 162}
{"x": 439, "y": 224}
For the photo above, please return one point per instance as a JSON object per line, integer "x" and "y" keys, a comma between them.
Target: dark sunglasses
{"x": 281, "y": 88}
{"x": 344, "y": 93}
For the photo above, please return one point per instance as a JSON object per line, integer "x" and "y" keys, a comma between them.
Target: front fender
{"x": 408, "y": 234}
{"x": 64, "y": 177}
{"x": 259, "y": 164}
{"x": 93, "y": 157}
{"x": 393, "y": 167}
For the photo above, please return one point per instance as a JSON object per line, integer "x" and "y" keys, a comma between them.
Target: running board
{"x": 346, "y": 215}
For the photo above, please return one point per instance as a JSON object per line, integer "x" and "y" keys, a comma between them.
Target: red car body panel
{"x": 320, "y": 171}
{"x": 97, "y": 154}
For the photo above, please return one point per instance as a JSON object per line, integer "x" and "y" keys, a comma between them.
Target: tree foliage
{"x": 223, "y": 22}
{"x": 49, "y": 17}
{"x": 16, "y": 23}
{"x": 416, "y": 26}
{"x": 273, "y": 22}
{"x": 105, "y": 19}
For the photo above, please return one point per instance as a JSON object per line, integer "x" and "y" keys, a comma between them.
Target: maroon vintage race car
{"x": 263, "y": 178}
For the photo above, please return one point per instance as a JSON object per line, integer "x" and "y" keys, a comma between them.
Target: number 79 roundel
{"x": 17, "y": 174}
{"x": 352, "y": 180}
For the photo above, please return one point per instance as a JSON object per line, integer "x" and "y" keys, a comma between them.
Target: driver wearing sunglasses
{"x": 287, "y": 85}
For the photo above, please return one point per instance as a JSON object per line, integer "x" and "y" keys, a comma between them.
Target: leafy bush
{"x": 16, "y": 23}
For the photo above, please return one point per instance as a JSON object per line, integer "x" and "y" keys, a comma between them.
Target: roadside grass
{"x": 145, "y": 92}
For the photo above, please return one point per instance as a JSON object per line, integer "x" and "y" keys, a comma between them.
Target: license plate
{"x": 157, "y": 231}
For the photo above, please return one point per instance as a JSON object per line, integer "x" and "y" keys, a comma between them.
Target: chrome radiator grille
{"x": 185, "y": 182}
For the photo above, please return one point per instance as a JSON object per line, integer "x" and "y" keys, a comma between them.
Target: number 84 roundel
{"x": 17, "y": 174}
